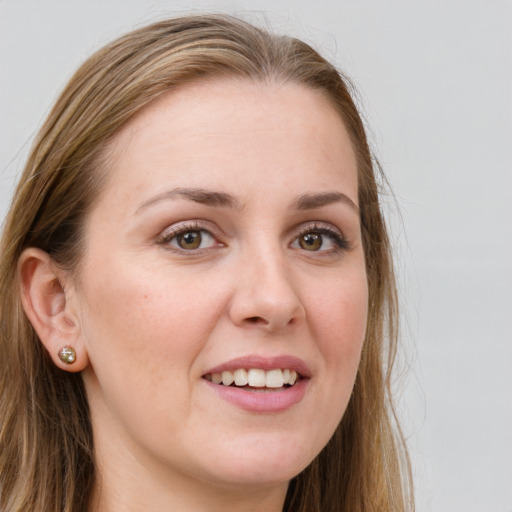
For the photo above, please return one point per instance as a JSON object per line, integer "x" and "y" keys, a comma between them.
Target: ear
{"x": 45, "y": 293}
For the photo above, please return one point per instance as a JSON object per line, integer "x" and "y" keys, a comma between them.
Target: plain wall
{"x": 435, "y": 79}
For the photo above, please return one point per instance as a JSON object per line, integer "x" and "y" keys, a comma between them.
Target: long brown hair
{"x": 46, "y": 443}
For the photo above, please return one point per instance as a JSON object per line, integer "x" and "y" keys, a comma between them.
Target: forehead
{"x": 207, "y": 132}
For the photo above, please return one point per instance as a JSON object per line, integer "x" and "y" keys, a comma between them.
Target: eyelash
{"x": 202, "y": 227}
{"x": 325, "y": 229}
{"x": 189, "y": 227}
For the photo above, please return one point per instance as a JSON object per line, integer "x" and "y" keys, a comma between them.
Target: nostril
{"x": 256, "y": 320}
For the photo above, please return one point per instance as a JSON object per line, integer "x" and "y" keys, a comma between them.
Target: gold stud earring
{"x": 67, "y": 354}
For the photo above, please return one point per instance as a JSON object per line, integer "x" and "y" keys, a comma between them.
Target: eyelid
{"x": 190, "y": 225}
{"x": 324, "y": 228}
{"x": 319, "y": 226}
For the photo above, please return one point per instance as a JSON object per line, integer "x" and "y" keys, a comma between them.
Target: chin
{"x": 265, "y": 462}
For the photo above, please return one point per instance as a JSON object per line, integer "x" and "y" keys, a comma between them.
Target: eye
{"x": 311, "y": 241}
{"x": 320, "y": 238}
{"x": 189, "y": 238}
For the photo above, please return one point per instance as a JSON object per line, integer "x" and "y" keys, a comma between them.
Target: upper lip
{"x": 263, "y": 363}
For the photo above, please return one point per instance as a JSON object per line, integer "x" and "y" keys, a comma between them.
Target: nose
{"x": 266, "y": 295}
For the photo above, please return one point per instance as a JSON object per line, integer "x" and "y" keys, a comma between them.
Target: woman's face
{"x": 226, "y": 245}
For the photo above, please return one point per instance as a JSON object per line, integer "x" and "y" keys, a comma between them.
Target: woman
{"x": 199, "y": 307}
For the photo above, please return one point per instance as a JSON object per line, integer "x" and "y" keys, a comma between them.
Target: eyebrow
{"x": 223, "y": 199}
{"x": 313, "y": 201}
{"x": 198, "y": 195}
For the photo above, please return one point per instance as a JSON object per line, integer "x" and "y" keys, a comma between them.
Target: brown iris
{"x": 189, "y": 240}
{"x": 311, "y": 241}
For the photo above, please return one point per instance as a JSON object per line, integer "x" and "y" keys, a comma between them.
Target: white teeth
{"x": 227, "y": 378}
{"x": 274, "y": 379}
{"x": 241, "y": 377}
{"x": 255, "y": 378}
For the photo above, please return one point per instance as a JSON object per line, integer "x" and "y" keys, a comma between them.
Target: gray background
{"x": 435, "y": 80}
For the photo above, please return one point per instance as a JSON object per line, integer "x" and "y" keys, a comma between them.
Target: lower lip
{"x": 263, "y": 402}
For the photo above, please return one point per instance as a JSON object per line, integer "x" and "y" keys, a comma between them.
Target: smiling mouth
{"x": 255, "y": 379}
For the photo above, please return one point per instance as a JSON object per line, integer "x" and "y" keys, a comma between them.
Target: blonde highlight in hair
{"x": 46, "y": 443}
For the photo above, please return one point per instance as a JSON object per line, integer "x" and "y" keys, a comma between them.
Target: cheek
{"x": 145, "y": 332}
{"x": 145, "y": 307}
{"x": 340, "y": 324}
{"x": 342, "y": 312}
{"x": 337, "y": 321}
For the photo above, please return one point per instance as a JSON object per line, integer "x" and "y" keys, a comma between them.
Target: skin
{"x": 151, "y": 318}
